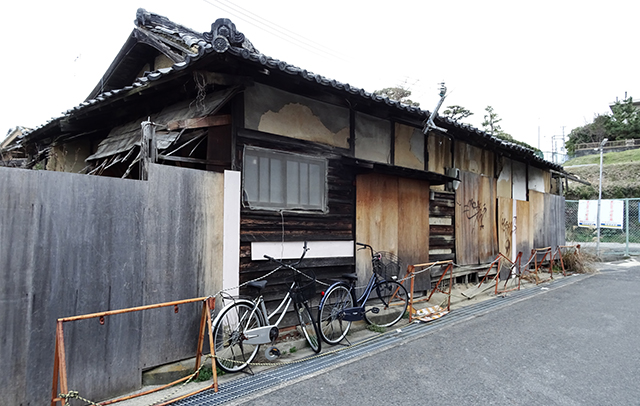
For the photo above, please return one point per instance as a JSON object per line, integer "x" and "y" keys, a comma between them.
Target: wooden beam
{"x": 191, "y": 160}
{"x": 200, "y": 122}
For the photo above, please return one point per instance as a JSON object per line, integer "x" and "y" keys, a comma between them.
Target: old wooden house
{"x": 316, "y": 160}
{"x": 227, "y": 155}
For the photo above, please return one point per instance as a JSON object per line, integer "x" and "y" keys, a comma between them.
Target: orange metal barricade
{"x": 539, "y": 264}
{"x": 411, "y": 271}
{"x": 499, "y": 261}
{"x": 60, "y": 367}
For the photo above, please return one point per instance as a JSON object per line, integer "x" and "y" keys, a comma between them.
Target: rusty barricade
{"x": 504, "y": 265}
{"x": 60, "y": 389}
{"x": 542, "y": 259}
{"x": 412, "y": 270}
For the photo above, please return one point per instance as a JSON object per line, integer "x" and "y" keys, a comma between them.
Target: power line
{"x": 274, "y": 29}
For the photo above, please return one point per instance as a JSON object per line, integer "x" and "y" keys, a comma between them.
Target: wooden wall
{"x": 75, "y": 244}
{"x": 476, "y": 233}
{"x": 392, "y": 215}
{"x": 274, "y": 226}
{"x": 442, "y": 245}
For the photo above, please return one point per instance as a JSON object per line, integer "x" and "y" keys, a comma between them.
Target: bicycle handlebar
{"x": 365, "y": 246}
{"x": 304, "y": 252}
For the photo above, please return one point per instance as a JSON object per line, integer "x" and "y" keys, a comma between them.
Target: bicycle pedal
{"x": 374, "y": 310}
{"x": 272, "y": 353}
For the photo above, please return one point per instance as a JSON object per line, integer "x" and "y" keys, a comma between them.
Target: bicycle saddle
{"x": 257, "y": 284}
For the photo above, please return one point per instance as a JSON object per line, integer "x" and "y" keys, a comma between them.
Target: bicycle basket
{"x": 304, "y": 288}
{"x": 388, "y": 266}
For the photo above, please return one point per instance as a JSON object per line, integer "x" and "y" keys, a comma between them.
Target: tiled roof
{"x": 224, "y": 37}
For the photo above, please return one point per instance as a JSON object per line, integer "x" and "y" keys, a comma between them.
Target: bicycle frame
{"x": 266, "y": 334}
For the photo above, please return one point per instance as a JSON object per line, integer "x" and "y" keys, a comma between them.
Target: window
{"x": 279, "y": 180}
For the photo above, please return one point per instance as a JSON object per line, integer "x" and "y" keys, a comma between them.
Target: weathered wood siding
{"x": 476, "y": 234}
{"x": 505, "y": 226}
{"x": 274, "y": 226}
{"x": 524, "y": 232}
{"x": 441, "y": 226}
{"x": 547, "y": 219}
{"x": 392, "y": 215}
{"x": 74, "y": 244}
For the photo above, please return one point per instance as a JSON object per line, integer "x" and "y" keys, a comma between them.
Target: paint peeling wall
{"x": 473, "y": 159}
{"x": 69, "y": 157}
{"x": 504, "y": 178}
{"x": 539, "y": 180}
{"x": 519, "y": 180}
{"x": 409, "y": 147}
{"x": 373, "y": 138}
{"x": 439, "y": 148}
{"x": 277, "y": 112}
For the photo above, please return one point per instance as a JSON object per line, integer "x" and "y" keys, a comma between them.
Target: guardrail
{"x": 609, "y": 145}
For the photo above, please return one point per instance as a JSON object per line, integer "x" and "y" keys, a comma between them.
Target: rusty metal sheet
{"x": 125, "y": 137}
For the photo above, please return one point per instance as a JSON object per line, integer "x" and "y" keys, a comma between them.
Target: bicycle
{"x": 243, "y": 325}
{"x": 339, "y": 308}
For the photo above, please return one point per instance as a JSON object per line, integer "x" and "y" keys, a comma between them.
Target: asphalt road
{"x": 575, "y": 345}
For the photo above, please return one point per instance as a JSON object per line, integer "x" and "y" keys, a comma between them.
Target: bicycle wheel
{"x": 333, "y": 328}
{"x": 391, "y": 300}
{"x": 308, "y": 326}
{"x": 232, "y": 352}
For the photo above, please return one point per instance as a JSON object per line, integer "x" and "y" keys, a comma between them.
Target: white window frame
{"x": 278, "y": 168}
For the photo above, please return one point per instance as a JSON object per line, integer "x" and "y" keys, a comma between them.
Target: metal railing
{"x": 611, "y": 144}
{"x": 612, "y": 241}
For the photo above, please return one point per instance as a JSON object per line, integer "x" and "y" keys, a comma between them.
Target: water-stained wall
{"x": 373, "y": 138}
{"x": 439, "y": 148}
{"x": 277, "y": 112}
{"x": 409, "y": 147}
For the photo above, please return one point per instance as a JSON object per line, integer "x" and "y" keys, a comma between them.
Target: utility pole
{"x": 600, "y": 199}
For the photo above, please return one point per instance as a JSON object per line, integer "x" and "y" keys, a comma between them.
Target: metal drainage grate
{"x": 249, "y": 384}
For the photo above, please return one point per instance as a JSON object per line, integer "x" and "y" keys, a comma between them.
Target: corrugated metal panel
{"x": 127, "y": 136}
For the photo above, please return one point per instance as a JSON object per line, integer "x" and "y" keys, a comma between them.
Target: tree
{"x": 624, "y": 122}
{"x": 398, "y": 93}
{"x": 591, "y": 132}
{"x": 491, "y": 120}
{"x": 456, "y": 113}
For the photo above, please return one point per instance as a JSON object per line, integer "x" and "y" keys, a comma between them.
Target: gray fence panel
{"x": 75, "y": 244}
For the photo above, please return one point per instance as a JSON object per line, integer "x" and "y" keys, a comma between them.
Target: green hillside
{"x": 620, "y": 175}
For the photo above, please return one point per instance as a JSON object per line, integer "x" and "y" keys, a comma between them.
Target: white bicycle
{"x": 243, "y": 325}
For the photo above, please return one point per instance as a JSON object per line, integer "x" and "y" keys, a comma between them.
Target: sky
{"x": 545, "y": 67}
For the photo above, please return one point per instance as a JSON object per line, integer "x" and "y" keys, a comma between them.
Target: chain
{"x": 75, "y": 395}
{"x": 172, "y": 393}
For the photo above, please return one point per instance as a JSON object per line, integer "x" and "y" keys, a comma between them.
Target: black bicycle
{"x": 243, "y": 325}
{"x": 383, "y": 303}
